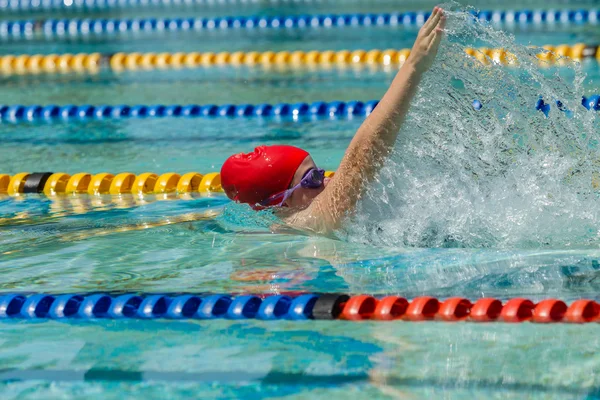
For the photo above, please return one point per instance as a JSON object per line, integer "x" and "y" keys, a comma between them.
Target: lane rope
{"x": 95, "y": 62}
{"x": 16, "y": 114}
{"x": 60, "y": 183}
{"x": 71, "y": 113}
{"x": 74, "y": 28}
{"x": 92, "y": 5}
{"x": 332, "y": 306}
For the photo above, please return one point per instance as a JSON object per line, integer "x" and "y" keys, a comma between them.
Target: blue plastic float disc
{"x": 214, "y": 306}
{"x": 65, "y": 306}
{"x": 368, "y": 20}
{"x": 85, "y": 112}
{"x": 209, "y": 110}
{"x": 408, "y": 18}
{"x": 146, "y": 25}
{"x": 14, "y": 113}
{"x": 274, "y": 307}
{"x": 318, "y": 108}
{"x": 10, "y": 305}
{"x": 290, "y": 22}
{"x": 102, "y": 112}
{"x": 281, "y": 109}
{"x": 300, "y": 109}
{"x": 251, "y": 22}
{"x": 238, "y": 22}
{"x": 277, "y": 22}
{"x": 244, "y": 307}
{"x": 173, "y": 111}
{"x": 95, "y": 306}
{"x": 485, "y": 16}
{"x": 382, "y": 19}
{"x": 244, "y": 110}
{"x": 191, "y": 110}
{"x": 335, "y": 108}
{"x": 67, "y": 112}
{"x": 37, "y": 306}
{"x": 156, "y": 110}
{"x": 395, "y": 19}
{"x": 121, "y": 111}
{"x": 154, "y": 306}
{"x": 138, "y": 111}
{"x": 32, "y": 113}
{"x": 355, "y": 108}
{"x": 577, "y": 16}
{"x": 328, "y": 20}
{"x": 134, "y": 25}
{"x": 302, "y": 306}
{"x": 184, "y": 306}
{"x": 263, "y": 110}
{"x": 49, "y": 112}
{"x": 125, "y": 306}
{"x": 226, "y": 110}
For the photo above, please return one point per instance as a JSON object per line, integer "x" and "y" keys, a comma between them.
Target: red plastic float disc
{"x": 517, "y": 310}
{"x": 359, "y": 307}
{"x": 390, "y": 307}
{"x": 454, "y": 309}
{"x": 583, "y": 311}
{"x": 486, "y": 310}
{"x": 422, "y": 308}
{"x": 549, "y": 310}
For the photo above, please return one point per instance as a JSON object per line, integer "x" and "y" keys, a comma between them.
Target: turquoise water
{"x": 222, "y": 86}
{"x": 205, "y": 243}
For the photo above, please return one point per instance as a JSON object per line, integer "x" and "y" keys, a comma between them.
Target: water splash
{"x": 505, "y": 176}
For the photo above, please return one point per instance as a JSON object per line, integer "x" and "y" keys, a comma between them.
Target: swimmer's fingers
{"x": 442, "y": 25}
{"x": 433, "y": 21}
{"x": 429, "y": 24}
{"x": 436, "y": 35}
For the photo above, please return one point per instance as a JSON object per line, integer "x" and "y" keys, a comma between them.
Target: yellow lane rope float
{"x": 94, "y": 62}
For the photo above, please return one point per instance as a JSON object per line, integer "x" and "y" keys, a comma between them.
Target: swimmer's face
{"x": 302, "y": 197}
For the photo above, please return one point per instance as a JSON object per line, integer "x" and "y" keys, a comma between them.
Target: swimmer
{"x": 286, "y": 179}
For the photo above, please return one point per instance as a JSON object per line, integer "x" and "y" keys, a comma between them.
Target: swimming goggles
{"x": 312, "y": 179}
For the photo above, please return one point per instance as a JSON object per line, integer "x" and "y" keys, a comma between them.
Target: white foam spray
{"x": 505, "y": 176}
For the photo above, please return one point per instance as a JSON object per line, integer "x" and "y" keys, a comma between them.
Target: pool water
{"x": 204, "y": 243}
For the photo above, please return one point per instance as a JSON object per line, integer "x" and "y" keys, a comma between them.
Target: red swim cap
{"x": 254, "y": 177}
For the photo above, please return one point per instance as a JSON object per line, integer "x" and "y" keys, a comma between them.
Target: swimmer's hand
{"x": 428, "y": 41}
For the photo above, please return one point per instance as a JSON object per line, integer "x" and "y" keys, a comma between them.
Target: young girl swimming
{"x": 286, "y": 177}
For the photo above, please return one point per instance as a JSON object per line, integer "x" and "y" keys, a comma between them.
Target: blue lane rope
{"x": 56, "y": 28}
{"x": 318, "y": 109}
{"x": 67, "y": 113}
{"x": 151, "y": 306}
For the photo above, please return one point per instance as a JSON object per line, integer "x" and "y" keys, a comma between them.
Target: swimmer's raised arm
{"x": 375, "y": 138}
